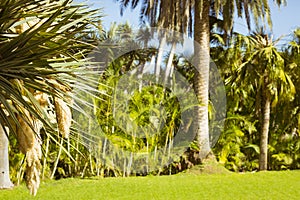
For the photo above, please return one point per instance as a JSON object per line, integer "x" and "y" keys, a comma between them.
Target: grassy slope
{"x": 262, "y": 185}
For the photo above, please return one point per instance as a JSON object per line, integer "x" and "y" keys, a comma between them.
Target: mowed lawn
{"x": 261, "y": 185}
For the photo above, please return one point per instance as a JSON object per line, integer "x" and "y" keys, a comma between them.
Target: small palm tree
{"x": 41, "y": 48}
{"x": 263, "y": 70}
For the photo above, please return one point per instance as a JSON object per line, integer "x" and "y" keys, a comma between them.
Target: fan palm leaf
{"x": 41, "y": 49}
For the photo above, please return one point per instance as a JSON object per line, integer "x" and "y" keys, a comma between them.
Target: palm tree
{"x": 40, "y": 54}
{"x": 263, "y": 70}
{"x": 192, "y": 17}
{"x": 274, "y": 82}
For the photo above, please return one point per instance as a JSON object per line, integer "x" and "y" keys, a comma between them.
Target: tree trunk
{"x": 5, "y": 181}
{"x": 169, "y": 67}
{"x": 201, "y": 80}
{"x": 160, "y": 56}
{"x": 263, "y": 156}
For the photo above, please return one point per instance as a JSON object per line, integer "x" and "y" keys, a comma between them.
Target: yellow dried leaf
{"x": 63, "y": 116}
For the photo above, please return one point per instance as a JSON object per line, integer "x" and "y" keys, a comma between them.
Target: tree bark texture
{"x": 201, "y": 80}
{"x": 5, "y": 181}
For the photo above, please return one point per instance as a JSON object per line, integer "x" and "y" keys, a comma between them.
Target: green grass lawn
{"x": 261, "y": 185}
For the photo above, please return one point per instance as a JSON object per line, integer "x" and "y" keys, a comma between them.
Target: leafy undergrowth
{"x": 261, "y": 185}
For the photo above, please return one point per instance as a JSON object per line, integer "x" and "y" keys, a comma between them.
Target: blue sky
{"x": 285, "y": 19}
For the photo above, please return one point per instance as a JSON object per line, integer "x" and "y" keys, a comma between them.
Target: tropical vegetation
{"x": 62, "y": 115}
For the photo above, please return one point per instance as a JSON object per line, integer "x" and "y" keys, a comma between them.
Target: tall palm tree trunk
{"x": 169, "y": 67}
{"x": 4, "y": 162}
{"x": 263, "y": 157}
{"x": 159, "y": 57}
{"x": 201, "y": 80}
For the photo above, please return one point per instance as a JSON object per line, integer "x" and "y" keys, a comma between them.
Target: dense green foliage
{"x": 238, "y": 147}
{"x": 239, "y": 62}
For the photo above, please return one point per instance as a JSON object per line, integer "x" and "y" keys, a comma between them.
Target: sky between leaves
{"x": 285, "y": 19}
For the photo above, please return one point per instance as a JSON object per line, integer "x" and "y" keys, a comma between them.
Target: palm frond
{"x": 42, "y": 50}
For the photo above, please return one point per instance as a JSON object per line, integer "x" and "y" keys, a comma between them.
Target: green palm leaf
{"x": 42, "y": 48}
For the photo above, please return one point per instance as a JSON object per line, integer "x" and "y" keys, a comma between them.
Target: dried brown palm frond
{"x": 63, "y": 116}
{"x": 42, "y": 98}
{"x": 30, "y": 145}
{"x": 62, "y": 108}
{"x": 33, "y": 168}
{"x": 25, "y": 133}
